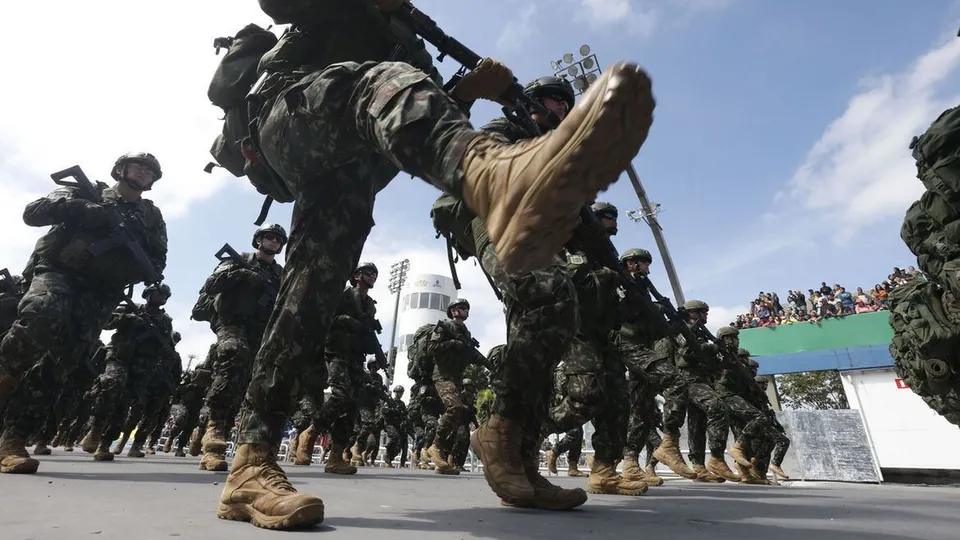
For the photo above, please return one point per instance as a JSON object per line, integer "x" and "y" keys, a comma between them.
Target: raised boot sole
{"x": 19, "y": 465}
{"x": 592, "y": 158}
{"x": 305, "y": 516}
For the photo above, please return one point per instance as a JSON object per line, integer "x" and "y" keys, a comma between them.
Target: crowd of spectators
{"x": 823, "y": 303}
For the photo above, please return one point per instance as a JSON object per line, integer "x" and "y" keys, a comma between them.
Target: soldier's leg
{"x": 393, "y": 445}
{"x": 663, "y": 377}
{"x": 650, "y": 470}
{"x": 57, "y": 318}
{"x": 450, "y": 420}
{"x": 611, "y": 429}
{"x": 638, "y": 426}
{"x": 754, "y": 426}
{"x": 572, "y": 444}
{"x": 230, "y": 374}
{"x": 338, "y": 412}
{"x": 781, "y": 444}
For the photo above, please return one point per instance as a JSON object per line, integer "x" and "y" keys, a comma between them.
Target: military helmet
{"x": 467, "y": 383}
{"x": 372, "y": 363}
{"x": 367, "y": 267}
{"x": 743, "y": 352}
{"x": 161, "y": 288}
{"x": 762, "y": 379}
{"x": 176, "y": 337}
{"x": 398, "y": 389}
{"x": 725, "y": 331}
{"x": 552, "y": 87}
{"x": 636, "y": 253}
{"x": 269, "y": 228}
{"x": 460, "y": 303}
{"x": 754, "y": 364}
{"x": 604, "y": 209}
{"x": 145, "y": 158}
{"x": 696, "y": 305}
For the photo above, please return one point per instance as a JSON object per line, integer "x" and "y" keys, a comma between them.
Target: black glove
{"x": 250, "y": 276}
{"x": 84, "y": 213}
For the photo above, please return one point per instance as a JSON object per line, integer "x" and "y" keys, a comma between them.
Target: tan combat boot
{"x": 14, "y": 458}
{"x": 136, "y": 450}
{"x": 91, "y": 441}
{"x": 631, "y": 468}
{"x": 605, "y": 480}
{"x": 650, "y": 476}
{"x": 102, "y": 452}
{"x": 168, "y": 445}
{"x": 551, "y": 462}
{"x": 196, "y": 442}
{"x": 703, "y": 475}
{"x": 179, "y": 453}
{"x": 775, "y": 469}
{"x": 336, "y": 464}
{"x": 257, "y": 490}
{"x": 41, "y": 448}
{"x": 149, "y": 448}
{"x": 738, "y": 453}
{"x": 305, "y": 443}
{"x": 440, "y": 461}
{"x": 214, "y": 448}
{"x": 529, "y": 193}
{"x": 497, "y": 444}
{"x": 388, "y": 462}
{"x": 574, "y": 470}
{"x": 415, "y": 461}
{"x": 57, "y": 440}
{"x": 719, "y": 467}
{"x": 356, "y": 458}
{"x": 546, "y": 495}
{"x": 749, "y": 476}
{"x": 669, "y": 454}
{"x": 121, "y": 442}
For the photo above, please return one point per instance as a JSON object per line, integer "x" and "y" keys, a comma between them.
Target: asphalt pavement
{"x": 161, "y": 496}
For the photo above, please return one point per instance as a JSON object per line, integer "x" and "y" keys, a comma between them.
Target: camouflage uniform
{"x": 70, "y": 298}
{"x": 394, "y": 415}
{"x": 142, "y": 339}
{"x": 187, "y": 401}
{"x": 82, "y": 394}
{"x": 10, "y": 296}
{"x": 367, "y": 431}
{"x": 451, "y": 348}
{"x": 245, "y": 300}
{"x": 461, "y": 442}
{"x": 415, "y": 424}
{"x": 572, "y": 441}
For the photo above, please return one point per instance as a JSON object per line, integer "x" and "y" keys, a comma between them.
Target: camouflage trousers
{"x": 367, "y": 428}
{"x": 542, "y": 321}
{"x": 338, "y": 411}
{"x": 645, "y": 418}
{"x": 120, "y": 391}
{"x": 461, "y": 445}
{"x": 183, "y": 420}
{"x": 595, "y": 390}
{"x": 780, "y": 440}
{"x": 70, "y": 403}
{"x": 681, "y": 391}
{"x": 59, "y": 318}
{"x": 236, "y": 345}
{"x": 336, "y": 137}
{"x": 430, "y": 410}
{"x": 396, "y": 441}
{"x": 150, "y": 414}
{"x": 571, "y": 442}
{"x": 454, "y": 411}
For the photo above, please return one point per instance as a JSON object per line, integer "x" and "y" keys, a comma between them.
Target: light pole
{"x": 583, "y": 73}
{"x": 398, "y": 277}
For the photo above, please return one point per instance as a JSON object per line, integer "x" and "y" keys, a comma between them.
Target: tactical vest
{"x": 246, "y": 302}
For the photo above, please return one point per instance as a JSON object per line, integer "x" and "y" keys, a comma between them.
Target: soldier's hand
{"x": 490, "y": 80}
{"x": 388, "y": 6}
{"x": 250, "y": 276}
{"x": 87, "y": 214}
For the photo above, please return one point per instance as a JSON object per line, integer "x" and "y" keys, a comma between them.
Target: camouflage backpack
{"x": 454, "y": 221}
{"x": 926, "y": 344}
{"x": 931, "y": 226}
{"x": 205, "y": 309}
{"x": 234, "y": 149}
{"x": 420, "y": 362}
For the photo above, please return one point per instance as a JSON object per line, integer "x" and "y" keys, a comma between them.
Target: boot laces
{"x": 273, "y": 476}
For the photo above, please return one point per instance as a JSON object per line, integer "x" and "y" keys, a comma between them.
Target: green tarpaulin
{"x": 850, "y": 331}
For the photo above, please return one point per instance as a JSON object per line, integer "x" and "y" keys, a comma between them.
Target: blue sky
{"x": 778, "y": 152}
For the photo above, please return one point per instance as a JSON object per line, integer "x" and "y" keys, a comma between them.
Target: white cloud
{"x": 516, "y": 32}
{"x": 860, "y": 170}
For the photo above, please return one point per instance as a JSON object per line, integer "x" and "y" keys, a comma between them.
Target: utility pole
{"x": 583, "y": 73}
{"x": 398, "y": 277}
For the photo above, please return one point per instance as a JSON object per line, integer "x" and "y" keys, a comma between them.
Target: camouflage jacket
{"x": 193, "y": 388}
{"x": 372, "y": 392}
{"x": 141, "y": 333}
{"x": 66, "y": 246}
{"x": 641, "y": 320}
{"x": 452, "y": 349}
{"x": 244, "y": 296}
{"x": 394, "y": 413}
{"x": 698, "y": 359}
{"x": 353, "y": 331}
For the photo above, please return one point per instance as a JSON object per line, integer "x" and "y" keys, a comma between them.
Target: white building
{"x": 423, "y": 300}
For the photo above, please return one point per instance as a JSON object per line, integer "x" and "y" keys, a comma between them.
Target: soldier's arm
{"x": 51, "y": 209}
{"x": 157, "y": 241}
{"x": 225, "y": 277}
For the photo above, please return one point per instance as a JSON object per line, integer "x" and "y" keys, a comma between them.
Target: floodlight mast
{"x": 585, "y": 72}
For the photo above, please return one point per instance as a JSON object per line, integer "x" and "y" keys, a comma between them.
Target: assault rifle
{"x": 120, "y": 235}
{"x": 166, "y": 341}
{"x": 472, "y": 343}
{"x": 7, "y": 285}
{"x": 427, "y": 28}
{"x": 227, "y": 253}
{"x": 374, "y": 328}
{"x": 676, "y": 317}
